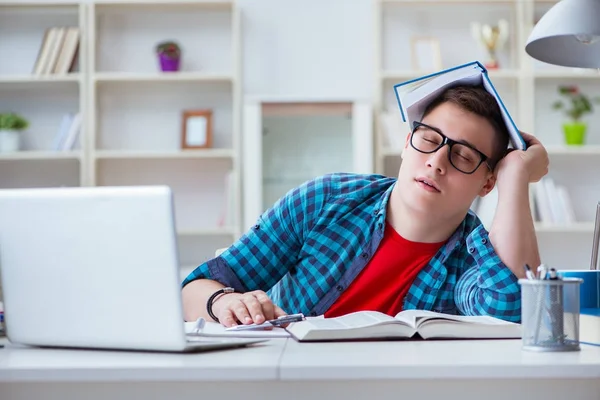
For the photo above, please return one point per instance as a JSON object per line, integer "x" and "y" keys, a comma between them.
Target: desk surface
{"x": 496, "y": 359}
{"x": 253, "y": 363}
{"x": 286, "y": 359}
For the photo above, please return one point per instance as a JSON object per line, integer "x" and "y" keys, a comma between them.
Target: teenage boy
{"x": 348, "y": 242}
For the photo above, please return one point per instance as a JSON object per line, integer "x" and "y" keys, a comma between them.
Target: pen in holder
{"x": 550, "y": 313}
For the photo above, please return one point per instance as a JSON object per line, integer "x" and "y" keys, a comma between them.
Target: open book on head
{"x": 368, "y": 325}
{"x": 413, "y": 96}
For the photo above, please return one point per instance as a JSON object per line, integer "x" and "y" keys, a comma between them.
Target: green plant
{"x": 169, "y": 48}
{"x": 12, "y": 122}
{"x": 578, "y": 102}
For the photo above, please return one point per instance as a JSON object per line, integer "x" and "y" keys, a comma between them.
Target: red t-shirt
{"x": 385, "y": 280}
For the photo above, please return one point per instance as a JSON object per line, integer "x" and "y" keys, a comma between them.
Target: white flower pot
{"x": 9, "y": 141}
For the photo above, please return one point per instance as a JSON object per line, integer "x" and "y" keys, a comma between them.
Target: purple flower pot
{"x": 168, "y": 64}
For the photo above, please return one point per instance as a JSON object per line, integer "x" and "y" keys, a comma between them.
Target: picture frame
{"x": 196, "y": 129}
{"x": 426, "y": 53}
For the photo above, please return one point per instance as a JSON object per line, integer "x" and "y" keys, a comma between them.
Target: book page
{"x": 421, "y": 316}
{"x": 358, "y": 319}
{"x": 438, "y": 325}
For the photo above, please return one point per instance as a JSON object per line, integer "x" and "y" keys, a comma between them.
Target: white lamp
{"x": 568, "y": 35}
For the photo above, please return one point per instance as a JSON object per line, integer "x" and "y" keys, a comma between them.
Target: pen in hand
{"x": 281, "y": 322}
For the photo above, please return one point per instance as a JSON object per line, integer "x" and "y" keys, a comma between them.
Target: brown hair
{"x": 477, "y": 100}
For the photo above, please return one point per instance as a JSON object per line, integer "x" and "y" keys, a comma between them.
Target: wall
{"x": 309, "y": 47}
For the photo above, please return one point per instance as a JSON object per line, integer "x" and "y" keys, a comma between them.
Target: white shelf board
{"x": 567, "y": 74}
{"x": 593, "y": 150}
{"x": 41, "y": 155}
{"x": 211, "y": 4}
{"x": 159, "y": 77}
{"x": 410, "y": 74}
{"x": 217, "y": 231}
{"x": 56, "y": 78}
{"x": 176, "y": 154}
{"x": 446, "y": 1}
{"x": 577, "y": 227}
{"x": 38, "y": 4}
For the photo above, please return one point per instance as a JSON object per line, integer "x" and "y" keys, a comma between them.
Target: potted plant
{"x": 169, "y": 56}
{"x": 575, "y": 106}
{"x": 11, "y": 125}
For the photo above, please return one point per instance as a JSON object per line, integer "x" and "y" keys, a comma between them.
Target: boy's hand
{"x": 528, "y": 166}
{"x": 247, "y": 308}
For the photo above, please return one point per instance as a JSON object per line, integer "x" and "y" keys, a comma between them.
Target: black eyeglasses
{"x": 463, "y": 157}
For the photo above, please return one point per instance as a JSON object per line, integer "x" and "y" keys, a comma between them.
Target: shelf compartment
{"x": 39, "y": 173}
{"x": 131, "y": 117}
{"x": 126, "y": 35}
{"x": 22, "y": 30}
{"x": 199, "y": 186}
{"x": 44, "y": 106}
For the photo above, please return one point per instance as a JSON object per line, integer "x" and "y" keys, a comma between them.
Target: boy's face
{"x": 453, "y": 191}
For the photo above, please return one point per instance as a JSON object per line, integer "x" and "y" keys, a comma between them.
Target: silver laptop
{"x": 94, "y": 267}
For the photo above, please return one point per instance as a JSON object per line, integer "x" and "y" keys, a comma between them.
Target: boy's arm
{"x": 513, "y": 232}
{"x": 496, "y": 261}
{"x": 262, "y": 256}
{"x": 488, "y": 287}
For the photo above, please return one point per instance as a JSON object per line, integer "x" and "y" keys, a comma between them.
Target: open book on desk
{"x": 368, "y": 325}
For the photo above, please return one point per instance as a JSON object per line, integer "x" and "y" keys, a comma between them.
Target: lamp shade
{"x": 568, "y": 35}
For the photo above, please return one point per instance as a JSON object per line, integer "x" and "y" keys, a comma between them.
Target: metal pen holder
{"x": 550, "y": 314}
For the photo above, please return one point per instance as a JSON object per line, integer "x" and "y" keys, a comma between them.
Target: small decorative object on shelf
{"x": 493, "y": 38}
{"x": 196, "y": 130}
{"x": 575, "y": 129}
{"x": 11, "y": 125}
{"x": 169, "y": 56}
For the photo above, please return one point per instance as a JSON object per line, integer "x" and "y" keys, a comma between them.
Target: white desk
{"x": 285, "y": 369}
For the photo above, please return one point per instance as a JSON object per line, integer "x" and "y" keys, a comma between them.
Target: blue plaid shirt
{"x": 309, "y": 247}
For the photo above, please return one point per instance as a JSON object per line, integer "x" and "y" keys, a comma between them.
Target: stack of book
{"x": 58, "y": 51}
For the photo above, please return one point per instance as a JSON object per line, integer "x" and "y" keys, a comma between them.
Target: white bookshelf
{"x": 527, "y": 86}
{"x": 43, "y": 100}
{"x": 132, "y": 111}
{"x": 136, "y": 110}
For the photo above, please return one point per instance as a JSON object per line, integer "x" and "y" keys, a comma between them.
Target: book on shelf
{"x": 370, "y": 325}
{"x": 549, "y": 203}
{"x": 553, "y": 202}
{"x": 414, "y": 95}
{"x": 68, "y": 132}
{"x": 58, "y": 51}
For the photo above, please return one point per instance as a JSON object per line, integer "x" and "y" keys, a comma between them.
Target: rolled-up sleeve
{"x": 488, "y": 286}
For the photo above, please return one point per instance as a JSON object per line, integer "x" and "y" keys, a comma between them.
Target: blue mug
{"x": 589, "y": 291}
